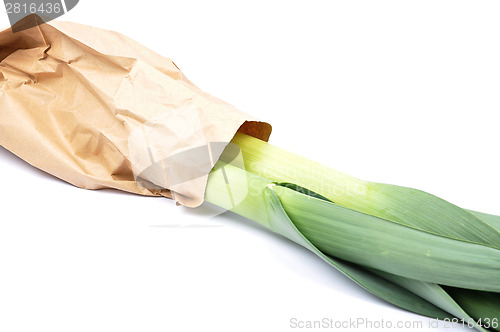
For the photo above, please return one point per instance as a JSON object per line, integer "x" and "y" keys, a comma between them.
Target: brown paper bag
{"x": 96, "y": 109}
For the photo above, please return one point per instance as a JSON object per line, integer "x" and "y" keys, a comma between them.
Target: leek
{"x": 408, "y": 247}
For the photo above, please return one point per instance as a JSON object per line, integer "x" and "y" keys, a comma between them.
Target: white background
{"x": 402, "y": 92}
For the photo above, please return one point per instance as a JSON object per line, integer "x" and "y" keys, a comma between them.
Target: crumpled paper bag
{"x": 97, "y": 109}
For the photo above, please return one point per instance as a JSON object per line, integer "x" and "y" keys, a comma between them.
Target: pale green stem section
{"x": 279, "y": 165}
{"x": 239, "y": 191}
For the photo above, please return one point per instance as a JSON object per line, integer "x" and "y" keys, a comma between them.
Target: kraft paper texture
{"x": 98, "y": 110}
